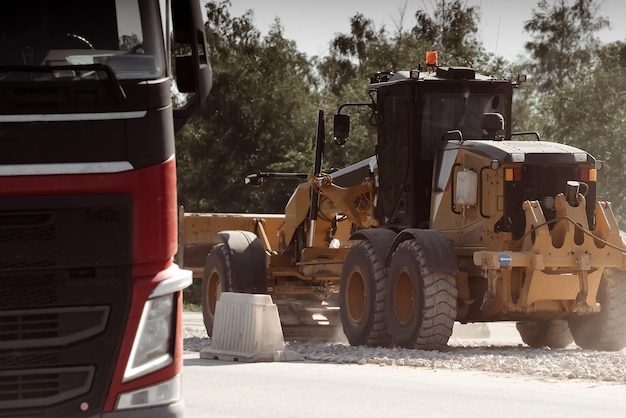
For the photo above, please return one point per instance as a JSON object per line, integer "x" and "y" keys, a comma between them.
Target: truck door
{"x": 394, "y": 162}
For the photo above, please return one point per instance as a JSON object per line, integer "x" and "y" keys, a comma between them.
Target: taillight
{"x": 513, "y": 174}
{"x": 588, "y": 174}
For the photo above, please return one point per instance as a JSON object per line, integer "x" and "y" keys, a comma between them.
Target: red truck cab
{"x": 90, "y": 299}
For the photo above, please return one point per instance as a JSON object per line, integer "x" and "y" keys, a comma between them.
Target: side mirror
{"x": 185, "y": 74}
{"x": 341, "y": 128}
{"x": 193, "y": 70}
{"x": 189, "y": 31}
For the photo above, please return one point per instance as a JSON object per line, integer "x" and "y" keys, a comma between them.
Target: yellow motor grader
{"x": 454, "y": 218}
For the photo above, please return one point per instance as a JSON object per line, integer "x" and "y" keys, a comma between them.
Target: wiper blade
{"x": 117, "y": 87}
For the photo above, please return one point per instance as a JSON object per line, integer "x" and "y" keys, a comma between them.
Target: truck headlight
{"x": 153, "y": 345}
{"x": 162, "y": 393}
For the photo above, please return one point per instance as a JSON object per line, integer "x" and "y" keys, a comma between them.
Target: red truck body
{"x": 90, "y": 298}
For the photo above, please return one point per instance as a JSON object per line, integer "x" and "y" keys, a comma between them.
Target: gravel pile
{"x": 470, "y": 355}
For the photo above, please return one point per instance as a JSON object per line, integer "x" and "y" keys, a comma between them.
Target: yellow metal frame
{"x": 561, "y": 268}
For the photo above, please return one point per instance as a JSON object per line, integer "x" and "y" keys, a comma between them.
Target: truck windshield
{"x": 125, "y": 35}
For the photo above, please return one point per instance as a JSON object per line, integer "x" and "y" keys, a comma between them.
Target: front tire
{"x": 362, "y": 291}
{"x": 216, "y": 278}
{"x": 605, "y": 330}
{"x": 421, "y": 304}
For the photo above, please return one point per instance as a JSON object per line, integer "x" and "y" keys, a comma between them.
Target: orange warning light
{"x": 431, "y": 58}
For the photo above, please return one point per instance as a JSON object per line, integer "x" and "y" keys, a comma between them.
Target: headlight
{"x": 152, "y": 349}
{"x": 548, "y": 202}
{"x": 162, "y": 393}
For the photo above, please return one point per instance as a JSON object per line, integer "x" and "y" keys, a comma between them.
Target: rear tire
{"x": 216, "y": 278}
{"x": 605, "y": 330}
{"x": 553, "y": 334}
{"x": 362, "y": 293}
{"x": 421, "y": 304}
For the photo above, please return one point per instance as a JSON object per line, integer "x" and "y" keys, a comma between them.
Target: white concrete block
{"x": 247, "y": 328}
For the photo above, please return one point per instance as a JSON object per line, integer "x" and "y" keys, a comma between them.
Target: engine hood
{"x": 528, "y": 152}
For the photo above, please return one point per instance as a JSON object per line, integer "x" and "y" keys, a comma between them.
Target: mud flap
{"x": 437, "y": 248}
{"x": 380, "y": 238}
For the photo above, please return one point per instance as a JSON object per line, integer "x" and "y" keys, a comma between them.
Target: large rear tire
{"x": 362, "y": 297}
{"x": 552, "y": 334}
{"x": 605, "y": 330}
{"x": 216, "y": 278}
{"x": 421, "y": 304}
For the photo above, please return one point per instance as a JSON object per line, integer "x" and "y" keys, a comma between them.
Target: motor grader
{"x": 454, "y": 218}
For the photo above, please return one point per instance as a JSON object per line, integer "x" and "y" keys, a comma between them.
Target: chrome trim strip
{"x": 66, "y": 168}
{"x": 61, "y": 117}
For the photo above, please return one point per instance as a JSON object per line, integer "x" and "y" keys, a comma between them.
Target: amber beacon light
{"x": 431, "y": 58}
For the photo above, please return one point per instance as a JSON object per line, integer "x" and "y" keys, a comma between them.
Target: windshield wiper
{"x": 117, "y": 87}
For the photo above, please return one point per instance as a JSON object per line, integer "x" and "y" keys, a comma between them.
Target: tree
{"x": 260, "y": 116}
{"x": 451, "y": 30}
{"x": 262, "y": 111}
{"x": 563, "y": 56}
{"x": 349, "y": 54}
{"x": 593, "y": 117}
{"x": 563, "y": 40}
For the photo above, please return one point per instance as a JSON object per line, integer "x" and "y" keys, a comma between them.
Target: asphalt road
{"x": 300, "y": 389}
{"x": 214, "y": 388}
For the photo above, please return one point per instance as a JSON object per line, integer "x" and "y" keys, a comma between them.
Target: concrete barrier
{"x": 247, "y": 328}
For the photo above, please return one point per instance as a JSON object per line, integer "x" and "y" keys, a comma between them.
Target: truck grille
{"x": 44, "y": 386}
{"x": 50, "y": 327}
{"x": 65, "y": 289}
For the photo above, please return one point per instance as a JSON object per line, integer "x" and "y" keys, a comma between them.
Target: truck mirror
{"x": 189, "y": 32}
{"x": 187, "y": 18}
{"x": 193, "y": 69}
{"x": 341, "y": 128}
{"x": 185, "y": 75}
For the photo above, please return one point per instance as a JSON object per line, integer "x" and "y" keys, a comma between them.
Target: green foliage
{"x": 451, "y": 30}
{"x": 260, "y": 116}
{"x": 349, "y": 54}
{"x": 577, "y": 93}
{"x": 563, "y": 40}
{"x": 592, "y": 116}
{"x": 262, "y": 112}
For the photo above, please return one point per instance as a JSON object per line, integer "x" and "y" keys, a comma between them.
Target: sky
{"x": 313, "y": 23}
